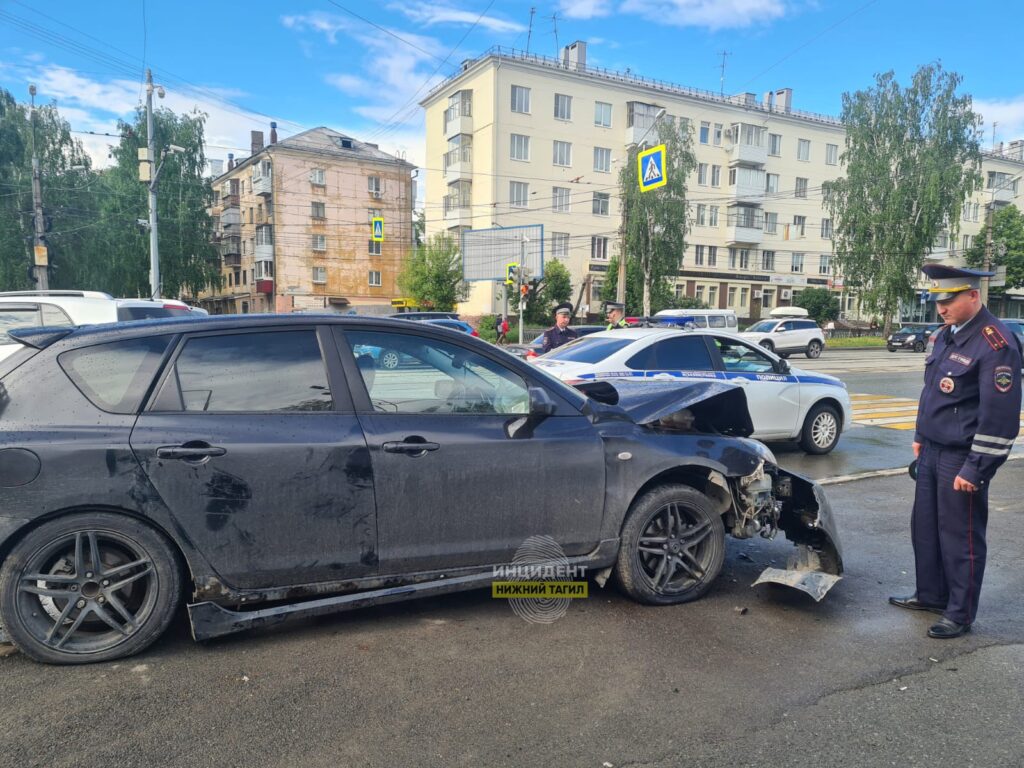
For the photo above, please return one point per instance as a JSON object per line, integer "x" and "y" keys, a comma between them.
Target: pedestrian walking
{"x": 502, "y": 329}
{"x": 560, "y": 333}
{"x": 616, "y": 315}
{"x": 967, "y": 420}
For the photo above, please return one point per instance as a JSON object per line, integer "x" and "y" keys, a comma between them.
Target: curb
{"x": 883, "y": 473}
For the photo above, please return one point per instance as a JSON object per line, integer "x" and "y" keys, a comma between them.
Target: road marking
{"x": 887, "y": 411}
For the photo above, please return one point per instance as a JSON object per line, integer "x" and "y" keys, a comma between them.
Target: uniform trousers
{"x": 948, "y": 531}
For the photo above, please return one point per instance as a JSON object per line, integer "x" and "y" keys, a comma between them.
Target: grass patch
{"x": 855, "y": 342}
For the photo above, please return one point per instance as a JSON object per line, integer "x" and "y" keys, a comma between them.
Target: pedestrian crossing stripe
{"x": 651, "y": 168}
{"x": 887, "y": 411}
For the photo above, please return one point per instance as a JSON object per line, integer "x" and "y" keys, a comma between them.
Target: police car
{"x": 785, "y": 403}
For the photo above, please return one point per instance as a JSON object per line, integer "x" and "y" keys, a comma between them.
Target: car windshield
{"x": 764, "y": 326}
{"x": 911, "y": 329}
{"x": 589, "y": 349}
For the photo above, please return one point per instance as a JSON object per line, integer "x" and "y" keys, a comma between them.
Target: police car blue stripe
{"x": 820, "y": 380}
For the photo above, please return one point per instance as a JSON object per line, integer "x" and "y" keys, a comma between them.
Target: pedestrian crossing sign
{"x": 651, "y": 168}
{"x": 378, "y": 229}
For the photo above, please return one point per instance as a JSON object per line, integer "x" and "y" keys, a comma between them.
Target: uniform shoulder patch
{"x": 994, "y": 338}
{"x": 1003, "y": 378}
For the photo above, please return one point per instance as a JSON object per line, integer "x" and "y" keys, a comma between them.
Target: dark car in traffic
{"x": 912, "y": 336}
{"x": 259, "y": 468}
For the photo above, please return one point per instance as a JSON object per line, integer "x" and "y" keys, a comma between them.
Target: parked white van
{"x": 701, "y": 318}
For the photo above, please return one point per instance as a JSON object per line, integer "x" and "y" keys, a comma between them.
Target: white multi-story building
{"x": 517, "y": 138}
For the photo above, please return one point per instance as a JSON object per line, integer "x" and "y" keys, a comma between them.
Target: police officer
{"x": 616, "y": 315}
{"x": 967, "y": 420}
{"x": 560, "y": 333}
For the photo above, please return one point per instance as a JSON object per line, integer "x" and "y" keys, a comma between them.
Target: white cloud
{"x": 327, "y": 24}
{"x": 584, "y": 9}
{"x": 350, "y": 84}
{"x": 430, "y": 14}
{"x": 1009, "y": 113}
{"x": 712, "y": 14}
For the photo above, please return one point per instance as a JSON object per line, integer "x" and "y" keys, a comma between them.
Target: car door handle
{"x": 190, "y": 451}
{"x": 410, "y": 448}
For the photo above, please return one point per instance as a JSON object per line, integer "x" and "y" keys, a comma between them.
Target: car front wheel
{"x": 813, "y": 349}
{"x": 919, "y": 346}
{"x": 768, "y": 345}
{"x": 821, "y": 429}
{"x": 87, "y": 588}
{"x": 389, "y": 359}
{"x": 673, "y": 546}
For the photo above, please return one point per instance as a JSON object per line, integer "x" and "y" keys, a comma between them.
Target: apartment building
{"x": 293, "y": 222}
{"x": 517, "y": 138}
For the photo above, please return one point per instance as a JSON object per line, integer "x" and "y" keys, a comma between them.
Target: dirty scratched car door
{"x": 251, "y": 442}
{"x": 462, "y": 476}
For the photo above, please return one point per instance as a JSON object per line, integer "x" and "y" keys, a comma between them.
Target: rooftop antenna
{"x": 529, "y": 32}
{"x": 554, "y": 25}
{"x": 721, "y": 81}
{"x": 994, "y": 124}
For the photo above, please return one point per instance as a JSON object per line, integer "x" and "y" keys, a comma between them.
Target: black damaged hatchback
{"x": 262, "y": 468}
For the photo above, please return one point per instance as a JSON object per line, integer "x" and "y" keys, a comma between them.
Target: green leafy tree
{"x": 821, "y": 304}
{"x": 1007, "y": 245}
{"x": 433, "y": 274}
{"x": 554, "y": 288}
{"x": 662, "y": 290}
{"x": 654, "y": 224}
{"x": 911, "y": 158}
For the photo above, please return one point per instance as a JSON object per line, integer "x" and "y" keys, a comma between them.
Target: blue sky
{"x": 316, "y": 63}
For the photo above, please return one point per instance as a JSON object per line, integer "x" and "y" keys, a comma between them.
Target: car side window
{"x": 789, "y": 325}
{"x": 115, "y": 376}
{"x": 54, "y": 315}
{"x": 17, "y": 317}
{"x": 717, "y": 321}
{"x": 252, "y": 372}
{"x": 683, "y": 353}
{"x": 416, "y": 374}
{"x": 738, "y": 357}
{"x": 807, "y": 325}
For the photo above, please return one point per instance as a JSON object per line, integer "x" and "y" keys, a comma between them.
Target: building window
{"x": 825, "y": 264}
{"x": 705, "y": 132}
{"x": 373, "y": 185}
{"x": 702, "y": 173}
{"x": 263, "y": 270}
{"x": 767, "y": 261}
{"x": 713, "y": 216}
{"x": 520, "y": 99}
{"x": 739, "y": 258}
{"x": 563, "y": 107}
{"x": 701, "y": 214}
{"x": 518, "y": 194}
{"x": 318, "y": 210}
{"x": 942, "y": 241}
{"x": 319, "y": 242}
{"x": 601, "y": 203}
{"x": 967, "y": 241}
{"x": 712, "y": 255}
{"x": 699, "y": 293}
{"x": 374, "y": 278}
{"x": 319, "y": 275}
{"x": 801, "y": 187}
{"x": 560, "y": 245}
{"x": 716, "y": 175}
{"x": 373, "y": 213}
{"x": 803, "y": 149}
{"x": 698, "y": 255}
{"x": 771, "y": 183}
{"x": 766, "y": 299}
{"x": 713, "y": 296}
{"x": 771, "y": 222}
{"x": 318, "y": 176}
{"x": 602, "y": 114}
{"x": 797, "y": 262}
{"x": 520, "y": 149}
{"x": 717, "y": 136}
{"x": 599, "y": 248}
{"x": 731, "y": 300}
{"x": 560, "y": 199}
{"x": 826, "y": 229}
{"x": 775, "y": 144}
{"x": 374, "y": 247}
{"x": 831, "y": 154}
{"x": 562, "y": 153}
{"x": 602, "y": 160}
{"x": 799, "y": 222}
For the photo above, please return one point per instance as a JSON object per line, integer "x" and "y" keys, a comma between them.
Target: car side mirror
{"x": 541, "y": 403}
{"x": 780, "y": 329}
{"x": 784, "y": 366}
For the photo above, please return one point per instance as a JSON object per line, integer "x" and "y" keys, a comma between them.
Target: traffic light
{"x": 511, "y": 274}
{"x": 524, "y": 290}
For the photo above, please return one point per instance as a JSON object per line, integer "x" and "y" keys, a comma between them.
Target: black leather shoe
{"x": 944, "y": 629}
{"x": 911, "y": 603}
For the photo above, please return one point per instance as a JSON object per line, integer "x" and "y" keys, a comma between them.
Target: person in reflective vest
{"x": 616, "y": 315}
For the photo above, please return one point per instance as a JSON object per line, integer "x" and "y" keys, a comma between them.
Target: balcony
{"x": 749, "y": 188}
{"x": 641, "y": 131}
{"x": 234, "y": 260}
{"x": 1001, "y": 195}
{"x": 746, "y": 144}
{"x": 458, "y": 164}
{"x": 265, "y": 285}
{"x": 264, "y": 243}
{"x": 230, "y": 217}
{"x": 231, "y": 245}
{"x": 745, "y": 228}
{"x": 229, "y": 201}
{"x": 458, "y": 118}
{"x": 457, "y": 211}
{"x": 263, "y": 185}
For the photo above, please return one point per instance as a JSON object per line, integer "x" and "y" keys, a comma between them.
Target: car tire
{"x": 767, "y": 345}
{"x": 891, "y": 349}
{"x": 389, "y": 359}
{"x": 813, "y": 349}
{"x": 821, "y": 429}
{"x": 87, "y": 613}
{"x": 672, "y": 547}
{"x": 919, "y": 346}
{"x": 783, "y": 355}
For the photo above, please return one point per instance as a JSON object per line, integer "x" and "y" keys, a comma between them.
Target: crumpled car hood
{"x": 716, "y": 404}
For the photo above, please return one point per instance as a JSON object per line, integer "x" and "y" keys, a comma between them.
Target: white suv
{"x": 29, "y": 309}
{"x": 787, "y": 335}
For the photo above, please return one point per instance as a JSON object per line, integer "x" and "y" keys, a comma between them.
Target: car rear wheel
{"x": 919, "y": 346}
{"x": 87, "y": 588}
{"x": 389, "y": 359}
{"x": 892, "y": 349}
{"x": 821, "y": 429}
{"x": 813, "y": 349}
{"x": 673, "y": 546}
{"x": 768, "y": 345}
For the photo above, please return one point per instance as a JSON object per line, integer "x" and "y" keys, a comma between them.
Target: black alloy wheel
{"x": 919, "y": 346}
{"x": 87, "y": 588}
{"x": 813, "y": 349}
{"x": 673, "y": 546}
{"x": 768, "y": 345}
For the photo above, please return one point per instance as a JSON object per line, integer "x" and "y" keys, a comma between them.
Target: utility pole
{"x": 620, "y": 288}
{"x": 721, "y": 80}
{"x": 154, "y": 240}
{"x": 40, "y": 255}
{"x": 522, "y": 283}
{"x": 988, "y": 248}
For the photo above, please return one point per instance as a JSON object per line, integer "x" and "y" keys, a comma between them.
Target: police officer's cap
{"x": 610, "y": 305}
{"x": 565, "y": 308}
{"x": 947, "y": 282}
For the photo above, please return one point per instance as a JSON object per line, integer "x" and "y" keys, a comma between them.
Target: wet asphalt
{"x": 743, "y": 677}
